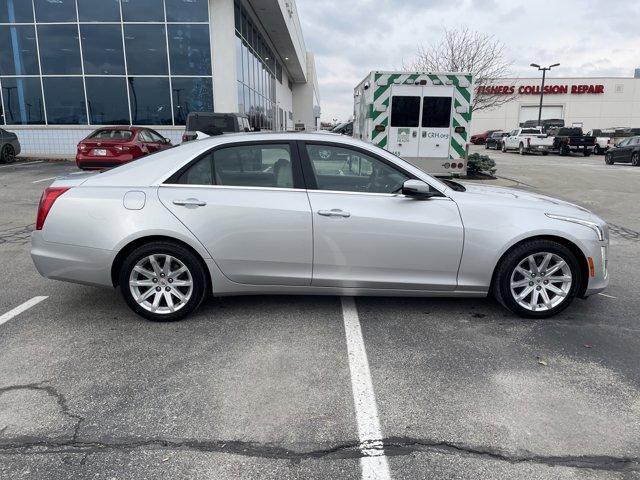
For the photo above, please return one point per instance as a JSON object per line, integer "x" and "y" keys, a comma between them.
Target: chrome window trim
{"x": 279, "y": 189}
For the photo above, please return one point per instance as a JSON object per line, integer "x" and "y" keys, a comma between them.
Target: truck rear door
{"x": 435, "y": 129}
{"x": 404, "y": 125}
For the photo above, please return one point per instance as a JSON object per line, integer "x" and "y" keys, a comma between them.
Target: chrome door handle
{"x": 334, "y": 213}
{"x": 190, "y": 202}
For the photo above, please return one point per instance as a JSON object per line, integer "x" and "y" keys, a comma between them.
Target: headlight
{"x": 592, "y": 225}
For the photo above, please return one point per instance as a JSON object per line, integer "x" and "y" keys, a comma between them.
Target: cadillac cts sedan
{"x": 298, "y": 213}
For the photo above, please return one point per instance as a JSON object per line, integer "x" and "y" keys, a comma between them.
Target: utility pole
{"x": 544, "y": 74}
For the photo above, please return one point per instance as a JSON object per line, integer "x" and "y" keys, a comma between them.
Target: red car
{"x": 112, "y": 146}
{"x": 481, "y": 138}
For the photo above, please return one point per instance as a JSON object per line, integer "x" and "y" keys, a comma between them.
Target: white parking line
{"x": 373, "y": 463}
{"x": 44, "y": 179}
{"x": 21, "y": 308}
{"x": 608, "y": 296}
{"x": 21, "y": 164}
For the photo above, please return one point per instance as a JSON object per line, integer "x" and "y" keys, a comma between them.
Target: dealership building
{"x": 591, "y": 102}
{"x": 70, "y": 66}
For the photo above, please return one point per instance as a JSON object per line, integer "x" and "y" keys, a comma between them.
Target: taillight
{"x": 461, "y": 165}
{"x": 49, "y": 196}
{"x": 185, "y": 137}
{"x": 82, "y": 147}
{"x": 122, "y": 148}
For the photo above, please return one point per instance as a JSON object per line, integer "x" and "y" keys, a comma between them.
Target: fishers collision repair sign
{"x": 535, "y": 89}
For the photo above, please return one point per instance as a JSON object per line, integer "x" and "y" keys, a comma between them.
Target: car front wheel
{"x": 163, "y": 281}
{"x": 537, "y": 279}
{"x": 635, "y": 160}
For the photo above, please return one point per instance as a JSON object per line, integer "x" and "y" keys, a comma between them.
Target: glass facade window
{"x": 187, "y": 10}
{"x": 189, "y": 49}
{"x": 146, "y": 49}
{"x": 48, "y": 11}
{"x": 16, "y": 11}
{"x": 150, "y": 101}
{"x": 107, "y": 101}
{"x": 104, "y": 61}
{"x": 99, "y": 10}
{"x": 256, "y": 70}
{"x": 102, "y": 49}
{"x": 18, "y": 50}
{"x": 59, "y": 49}
{"x": 142, "y": 10}
{"x": 22, "y": 101}
{"x": 64, "y": 97}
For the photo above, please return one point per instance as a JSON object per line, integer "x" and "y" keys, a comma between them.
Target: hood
{"x": 523, "y": 199}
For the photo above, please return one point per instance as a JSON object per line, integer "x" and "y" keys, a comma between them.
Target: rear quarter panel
{"x": 96, "y": 217}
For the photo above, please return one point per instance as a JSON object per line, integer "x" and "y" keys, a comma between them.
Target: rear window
{"x": 210, "y": 124}
{"x": 530, "y": 131}
{"x": 111, "y": 135}
{"x": 436, "y": 112}
{"x": 405, "y": 111}
{"x": 570, "y": 132}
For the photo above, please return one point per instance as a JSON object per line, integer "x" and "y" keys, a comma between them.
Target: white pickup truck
{"x": 528, "y": 140}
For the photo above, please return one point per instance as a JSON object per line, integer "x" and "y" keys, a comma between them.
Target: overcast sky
{"x": 352, "y": 37}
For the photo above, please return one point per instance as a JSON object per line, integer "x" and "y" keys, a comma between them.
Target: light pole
{"x": 544, "y": 74}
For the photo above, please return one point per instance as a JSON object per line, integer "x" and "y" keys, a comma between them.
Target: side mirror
{"x": 417, "y": 189}
{"x": 167, "y": 141}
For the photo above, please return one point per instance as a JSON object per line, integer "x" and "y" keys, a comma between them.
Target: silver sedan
{"x": 297, "y": 213}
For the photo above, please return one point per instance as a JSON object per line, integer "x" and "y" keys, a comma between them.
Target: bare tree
{"x": 464, "y": 50}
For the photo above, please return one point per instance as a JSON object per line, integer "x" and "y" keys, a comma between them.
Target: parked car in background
{"x": 527, "y": 140}
{"x": 603, "y": 140}
{"x": 495, "y": 140}
{"x": 9, "y": 146}
{"x": 206, "y": 124}
{"x": 112, "y": 146}
{"x": 568, "y": 140}
{"x": 345, "y": 128}
{"x": 481, "y": 138}
{"x": 627, "y": 151}
{"x": 298, "y": 222}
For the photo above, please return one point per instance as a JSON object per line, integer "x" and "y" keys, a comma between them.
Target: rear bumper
{"x": 70, "y": 263}
{"x": 89, "y": 162}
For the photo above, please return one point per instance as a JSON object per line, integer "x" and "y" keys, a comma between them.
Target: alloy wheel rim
{"x": 7, "y": 154}
{"x": 541, "y": 281}
{"x": 161, "y": 284}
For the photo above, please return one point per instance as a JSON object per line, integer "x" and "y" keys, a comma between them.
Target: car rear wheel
{"x": 635, "y": 160}
{"x": 608, "y": 159}
{"x": 7, "y": 154}
{"x": 537, "y": 279}
{"x": 504, "y": 147}
{"x": 597, "y": 150}
{"x": 521, "y": 150}
{"x": 163, "y": 281}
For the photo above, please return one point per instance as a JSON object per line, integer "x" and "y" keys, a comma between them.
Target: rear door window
{"x": 405, "y": 111}
{"x": 436, "y": 112}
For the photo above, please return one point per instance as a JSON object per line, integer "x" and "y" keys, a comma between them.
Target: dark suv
{"x": 211, "y": 123}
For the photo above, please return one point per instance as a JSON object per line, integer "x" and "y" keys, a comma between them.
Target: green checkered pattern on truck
{"x": 461, "y": 98}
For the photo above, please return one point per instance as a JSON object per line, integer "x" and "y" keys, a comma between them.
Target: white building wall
{"x": 305, "y": 97}
{"x": 284, "y": 99}
{"x": 618, "y": 106}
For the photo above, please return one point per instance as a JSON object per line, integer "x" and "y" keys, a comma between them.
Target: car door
{"x": 366, "y": 235}
{"x": 404, "y": 121}
{"x": 622, "y": 152}
{"x": 247, "y": 205}
{"x": 158, "y": 140}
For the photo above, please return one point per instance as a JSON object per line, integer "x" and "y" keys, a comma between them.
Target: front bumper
{"x": 71, "y": 263}
{"x": 598, "y": 252}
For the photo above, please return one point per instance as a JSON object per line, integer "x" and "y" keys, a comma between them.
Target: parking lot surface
{"x": 263, "y": 387}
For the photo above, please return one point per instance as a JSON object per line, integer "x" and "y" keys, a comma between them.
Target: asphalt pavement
{"x": 263, "y": 387}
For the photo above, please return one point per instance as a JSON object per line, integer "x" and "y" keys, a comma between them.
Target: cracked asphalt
{"x": 259, "y": 387}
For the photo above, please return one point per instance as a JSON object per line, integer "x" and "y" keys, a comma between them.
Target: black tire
{"x": 586, "y": 152}
{"x": 564, "y": 151}
{"x": 504, "y": 147}
{"x": 544, "y": 154}
{"x": 608, "y": 159}
{"x": 501, "y": 287}
{"x": 598, "y": 150}
{"x": 521, "y": 149}
{"x": 195, "y": 267}
{"x": 635, "y": 159}
{"x": 7, "y": 154}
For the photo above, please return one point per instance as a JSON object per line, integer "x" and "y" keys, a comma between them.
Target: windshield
{"x": 111, "y": 134}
